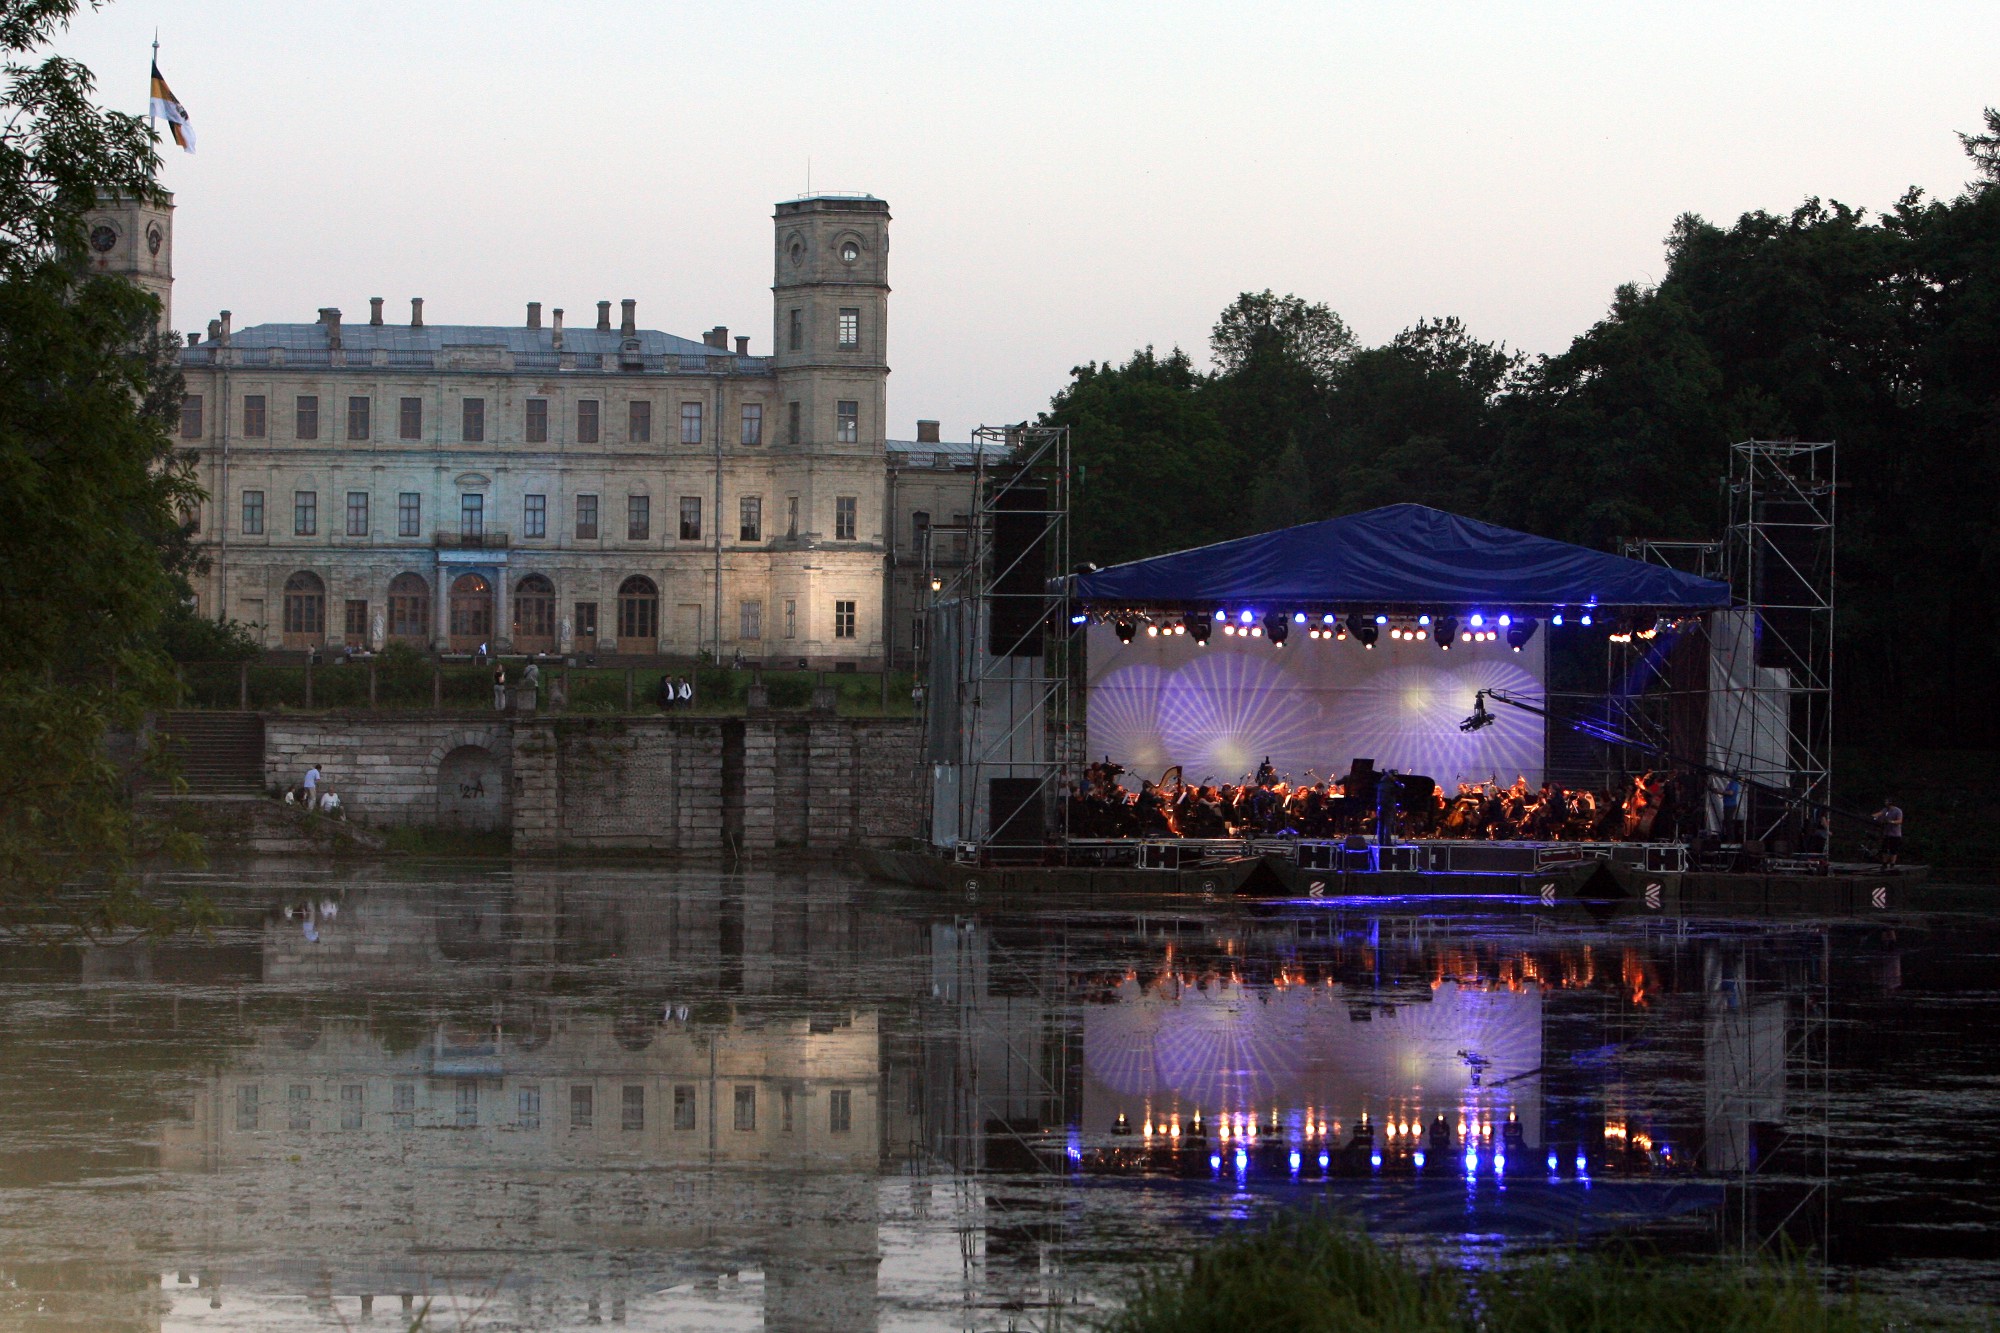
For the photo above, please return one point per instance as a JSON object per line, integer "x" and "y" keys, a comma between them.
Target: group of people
{"x": 312, "y": 793}
{"x": 1267, "y": 805}
{"x": 675, "y": 692}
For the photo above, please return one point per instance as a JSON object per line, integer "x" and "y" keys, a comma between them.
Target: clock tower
{"x": 135, "y": 239}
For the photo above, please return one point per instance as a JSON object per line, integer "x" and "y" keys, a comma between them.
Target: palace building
{"x": 591, "y": 488}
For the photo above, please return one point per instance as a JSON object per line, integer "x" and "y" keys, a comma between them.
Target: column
{"x": 441, "y": 607}
{"x": 503, "y": 611}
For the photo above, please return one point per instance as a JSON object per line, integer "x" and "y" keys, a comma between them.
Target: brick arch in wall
{"x": 469, "y": 780}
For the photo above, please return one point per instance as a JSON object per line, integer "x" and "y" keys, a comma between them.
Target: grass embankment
{"x": 427, "y": 841}
{"x": 1952, "y": 820}
{"x": 1319, "y": 1276}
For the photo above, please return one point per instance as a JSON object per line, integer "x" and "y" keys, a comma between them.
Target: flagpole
{"x": 152, "y": 116}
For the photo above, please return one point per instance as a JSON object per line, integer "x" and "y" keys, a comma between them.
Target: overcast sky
{"x": 1068, "y": 181}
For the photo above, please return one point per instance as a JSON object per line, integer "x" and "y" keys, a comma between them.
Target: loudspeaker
{"x": 1015, "y": 805}
{"x": 1019, "y": 578}
{"x": 1789, "y": 564}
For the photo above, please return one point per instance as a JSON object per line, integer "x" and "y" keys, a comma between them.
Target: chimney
{"x": 215, "y": 330}
{"x": 416, "y": 312}
{"x": 193, "y": 338}
{"x": 557, "y": 312}
{"x": 375, "y": 311}
{"x": 716, "y": 337}
{"x": 331, "y": 318}
{"x": 604, "y": 316}
{"x": 534, "y": 314}
{"x": 224, "y": 338}
{"x": 742, "y": 344}
{"x": 927, "y": 432}
{"x": 628, "y": 317}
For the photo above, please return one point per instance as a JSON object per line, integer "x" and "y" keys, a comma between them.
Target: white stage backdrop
{"x": 1312, "y": 705}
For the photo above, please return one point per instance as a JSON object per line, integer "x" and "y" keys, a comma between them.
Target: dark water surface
{"x": 547, "y": 1098}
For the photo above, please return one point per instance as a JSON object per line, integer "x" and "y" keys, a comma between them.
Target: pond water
{"x": 536, "y": 1097}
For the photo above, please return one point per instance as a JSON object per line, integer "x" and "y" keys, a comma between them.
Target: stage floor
{"x": 1354, "y": 855}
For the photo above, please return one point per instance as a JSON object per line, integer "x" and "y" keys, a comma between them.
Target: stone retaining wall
{"x": 617, "y": 783}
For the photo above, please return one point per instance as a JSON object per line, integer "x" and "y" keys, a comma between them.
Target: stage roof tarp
{"x": 1398, "y": 555}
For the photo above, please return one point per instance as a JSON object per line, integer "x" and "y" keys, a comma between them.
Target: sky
{"x": 1068, "y": 182}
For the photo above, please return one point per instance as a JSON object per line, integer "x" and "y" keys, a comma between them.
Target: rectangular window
{"x": 746, "y": 1108}
{"x": 351, "y": 1105}
{"x": 403, "y": 1106}
{"x": 920, "y": 529}
{"x": 690, "y": 518}
{"x": 409, "y": 514}
{"x": 357, "y": 620}
{"x": 253, "y": 513}
{"x": 792, "y": 516}
{"x": 586, "y": 421}
{"x": 791, "y": 618}
{"x": 844, "y": 507}
{"x": 528, "y": 1107}
{"x": 538, "y": 421}
{"x": 581, "y": 1106}
{"x": 357, "y": 513}
{"x": 750, "y": 519}
{"x": 534, "y": 516}
{"x": 466, "y": 1104}
{"x": 586, "y": 518}
{"x": 305, "y": 417}
{"x": 473, "y": 426}
{"x": 191, "y": 516}
{"x": 632, "y": 1109}
{"x": 253, "y": 416}
{"x": 792, "y": 423}
{"x": 850, "y": 328}
{"x": 798, "y": 335}
{"x": 246, "y": 1107}
{"x": 586, "y": 621}
{"x": 750, "y": 620}
{"x": 843, "y": 620}
{"x": 298, "y": 1107}
{"x": 410, "y": 419}
{"x": 640, "y": 421}
{"x": 638, "y": 518}
{"x": 683, "y": 1106}
{"x": 357, "y": 418}
{"x": 840, "y": 1111}
{"x": 847, "y": 421}
{"x": 471, "y": 517}
{"x": 785, "y": 1111}
{"x": 191, "y": 417}
{"x": 305, "y": 513}
{"x": 753, "y": 423}
{"x": 690, "y": 423}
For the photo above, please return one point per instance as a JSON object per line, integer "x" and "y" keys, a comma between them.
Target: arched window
{"x": 471, "y": 612}
{"x": 305, "y": 611}
{"x": 410, "y": 608}
{"x": 535, "y": 615}
{"x": 638, "y": 616}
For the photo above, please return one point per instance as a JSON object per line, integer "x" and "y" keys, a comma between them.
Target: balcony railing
{"x": 487, "y": 539}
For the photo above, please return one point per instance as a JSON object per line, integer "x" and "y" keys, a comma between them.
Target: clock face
{"x": 849, "y": 251}
{"x": 154, "y": 239}
{"x": 102, "y": 238}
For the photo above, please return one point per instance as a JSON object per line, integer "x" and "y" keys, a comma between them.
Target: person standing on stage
{"x": 1890, "y": 820}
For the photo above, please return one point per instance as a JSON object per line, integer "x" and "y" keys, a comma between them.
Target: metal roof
{"x": 306, "y": 344}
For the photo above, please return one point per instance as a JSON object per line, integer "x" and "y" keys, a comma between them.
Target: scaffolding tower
{"x": 999, "y": 654}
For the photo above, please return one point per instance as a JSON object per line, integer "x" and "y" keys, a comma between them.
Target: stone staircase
{"x": 218, "y": 753}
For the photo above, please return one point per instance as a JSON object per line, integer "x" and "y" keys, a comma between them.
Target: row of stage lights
{"x": 1277, "y": 627}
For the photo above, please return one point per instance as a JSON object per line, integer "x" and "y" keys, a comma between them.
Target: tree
{"x": 93, "y": 548}
{"x": 1263, "y": 324}
{"x": 1984, "y": 150}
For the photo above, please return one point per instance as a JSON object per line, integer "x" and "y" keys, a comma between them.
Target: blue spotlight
{"x": 1586, "y": 617}
{"x": 1298, "y": 617}
{"x": 1419, "y": 1159}
{"x": 1375, "y": 1160}
{"x": 1552, "y": 1164}
{"x": 1326, "y": 619}
{"x": 1471, "y": 1160}
{"x": 1499, "y": 1163}
{"x": 1322, "y": 1161}
{"x": 1582, "y": 1165}
{"x": 1248, "y": 617}
{"x": 1424, "y": 620}
{"x": 1295, "y": 1161}
{"x": 1381, "y": 620}
{"x": 1556, "y": 619}
{"x": 1079, "y": 620}
{"x": 1242, "y": 1161}
{"x": 1505, "y": 621}
{"x": 1222, "y": 615}
{"x": 1477, "y": 620}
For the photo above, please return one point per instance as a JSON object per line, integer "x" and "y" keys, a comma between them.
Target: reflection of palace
{"x": 586, "y": 1093}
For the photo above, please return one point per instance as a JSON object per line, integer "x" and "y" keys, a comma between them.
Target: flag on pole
{"x": 166, "y": 104}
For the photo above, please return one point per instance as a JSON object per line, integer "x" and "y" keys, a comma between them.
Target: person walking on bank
{"x": 665, "y": 694}
{"x": 309, "y": 785}
{"x": 1890, "y": 820}
{"x": 531, "y": 677}
{"x": 499, "y": 687}
{"x": 686, "y": 694}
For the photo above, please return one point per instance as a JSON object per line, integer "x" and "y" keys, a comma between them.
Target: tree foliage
{"x": 1881, "y": 333}
{"x": 93, "y": 549}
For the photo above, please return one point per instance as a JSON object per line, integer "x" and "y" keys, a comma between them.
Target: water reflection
{"x": 557, "y": 1097}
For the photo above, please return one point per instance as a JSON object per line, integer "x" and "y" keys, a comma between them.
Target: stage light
{"x": 1363, "y": 629}
{"x": 1294, "y": 1160}
{"x": 1552, "y": 1164}
{"x": 1396, "y": 633}
{"x": 1586, "y": 617}
{"x": 1222, "y": 615}
{"x": 1556, "y": 620}
{"x": 1228, "y": 630}
{"x": 1277, "y": 627}
{"x": 1520, "y": 632}
{"x": 1249, "y": 617}
{"x": 1126, "y": 629}
{"x": 1298, "y": 617}
{"x": 1423, "y": 634}
{"x": 1079, "y": 620}
{"x": 1419, "y": 1159}
{"x": 1477, "y": 620}
{"x": 1381, "y": 620}
{"x": 937, "y": 583}
{"x": 1445, "y": 630}
{"x": 1505, "y": 621}
{"x": 1375, "y": 1160}
{"x": 1180, "y": 628}
{"x": 1214, "y": 1162}
{"x": 1471, "y": 1161}
{"x": 1424, "y": 620}
{"x": 1256, "y": 631}
{"x": 1499, "y": 1163}
{"x": 1152, "y": 631}
{"x": 1323, "y": 1159}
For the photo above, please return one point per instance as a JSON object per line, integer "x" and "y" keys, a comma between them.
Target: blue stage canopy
{"x": 1398, "y": 555}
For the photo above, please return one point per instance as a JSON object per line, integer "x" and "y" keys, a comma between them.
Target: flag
{"x": 166, "y": 104}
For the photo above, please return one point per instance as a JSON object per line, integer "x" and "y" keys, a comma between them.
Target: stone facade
{"x": 605, "y": 489}
{"x": 661, "y": 783}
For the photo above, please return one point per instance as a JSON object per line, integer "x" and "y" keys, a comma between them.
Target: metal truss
{"x": 1004, "y": 714}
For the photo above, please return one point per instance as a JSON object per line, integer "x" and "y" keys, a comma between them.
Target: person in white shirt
{"x": 310, "y": 785}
